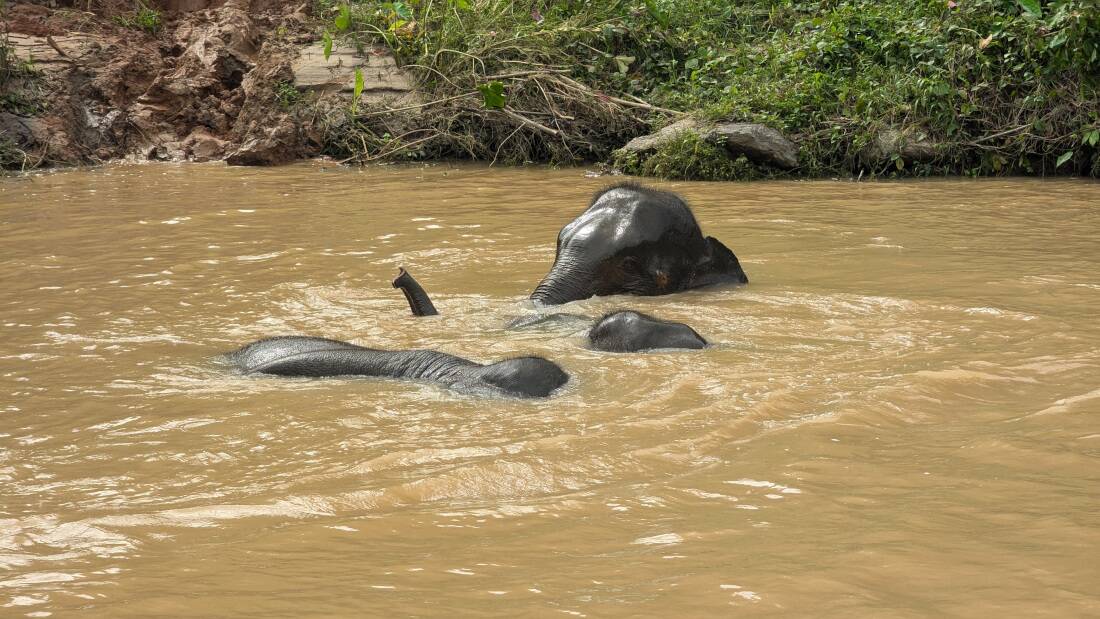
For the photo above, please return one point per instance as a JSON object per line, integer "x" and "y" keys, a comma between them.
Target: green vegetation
{"x": 20, "y": 90}
{"x": 999, "y": 86}
{"x": 287, "y": 94}
{"x": 142, "y": 18}
{"x": 689, "y": 157}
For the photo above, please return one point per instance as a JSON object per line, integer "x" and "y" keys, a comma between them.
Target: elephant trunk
{"x": 419, "y": 302}
{"x": 567, "y": 281}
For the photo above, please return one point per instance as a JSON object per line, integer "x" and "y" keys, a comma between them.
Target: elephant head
{"x": 630, "y": 331}
{"x": 635, "y": 240}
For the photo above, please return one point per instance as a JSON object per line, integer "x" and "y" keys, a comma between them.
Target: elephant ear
{"x": 718, "y": 265}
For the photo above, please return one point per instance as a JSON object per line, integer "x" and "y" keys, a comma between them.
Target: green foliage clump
{"x": 1000, "y": 86}
{"x": 287, "y": 94}
{"x": 688, "y": 156}
{"x": 498, "y": 76}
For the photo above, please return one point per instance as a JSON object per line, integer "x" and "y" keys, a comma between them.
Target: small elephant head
{"x": 630, "y": 331}
{"x": 528, "y": 377}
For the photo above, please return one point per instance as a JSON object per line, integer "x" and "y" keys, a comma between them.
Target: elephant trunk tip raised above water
{"x": 419, "y": 301}
{"x": 635, "y": 240}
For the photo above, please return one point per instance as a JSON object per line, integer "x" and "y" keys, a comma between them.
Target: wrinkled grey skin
{"x": 620, "y": 331}
{"x": 555, "y": 320}
{"x": 523, "y": 377}
{"x": 630, "y": 331}
{"x": 635, "y": 240}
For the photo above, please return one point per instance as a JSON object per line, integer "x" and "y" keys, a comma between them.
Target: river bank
{"x": 669, "y": 89}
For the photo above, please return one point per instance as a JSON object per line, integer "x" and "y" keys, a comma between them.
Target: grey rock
{"x": 649, "y": 143}
{"x": 759, "y": 143}
{"x": 912, "y": 146}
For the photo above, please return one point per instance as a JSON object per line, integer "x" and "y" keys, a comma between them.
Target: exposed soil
{"x": 198, "y": 89}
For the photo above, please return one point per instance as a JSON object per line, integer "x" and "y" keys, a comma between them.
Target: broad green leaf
{"x": 493, "y": 95}
{"x": 1032, "y": 7}
{"x": 462, "y": 4}
{"x": 343, "y": 20}
{"x": 358, "y": 90}
{"x": 1066, "y": 156}
{"x": 327, "y": 40}
{"x": 1092, "y": 137}
{"x": 402, "y": 10}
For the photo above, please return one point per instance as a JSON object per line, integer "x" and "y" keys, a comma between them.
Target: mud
{"x": 203, "y": 87}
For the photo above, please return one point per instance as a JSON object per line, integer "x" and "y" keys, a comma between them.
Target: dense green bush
{"x": 1001, "y": 86}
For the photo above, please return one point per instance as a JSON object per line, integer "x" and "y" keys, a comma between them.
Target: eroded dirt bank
{"x": 201, "y": 81}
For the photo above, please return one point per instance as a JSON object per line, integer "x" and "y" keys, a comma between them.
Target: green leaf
{"x": 343, "y": 20}
{"x": 402, "y": 10}
{"x": 493, "y": 95}
{"x": 327, "y": 41}
{"x": 1066, "y": 156}
{"x": 656, "y": 13}
{"x": 359, "y": 83}
{"x": 1032, "y": 7}
{"x": 462, "y": 4}
{"x": 1092, "y": 137}
{"x": 623, "y": 63}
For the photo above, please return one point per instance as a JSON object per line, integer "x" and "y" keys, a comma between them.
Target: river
{"x": 900, "y": 416}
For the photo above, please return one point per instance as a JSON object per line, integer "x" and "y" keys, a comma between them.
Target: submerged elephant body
{"x": 635, "y": 240}
{"x": 530, "y": 377}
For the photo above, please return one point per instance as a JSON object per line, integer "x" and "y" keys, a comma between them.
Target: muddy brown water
{"x": 901, "y": 416}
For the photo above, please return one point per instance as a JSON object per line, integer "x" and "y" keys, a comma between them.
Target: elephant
{"x": 618, "y": 331}
{"x": 630, "y": 331}
{"x": 522, "y": 377}
{"x": 635, "y": 240}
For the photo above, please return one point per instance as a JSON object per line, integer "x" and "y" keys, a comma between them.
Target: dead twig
{"x": 638, "y": 104}
{"x": 999, "y": 134}
{"x": 523, "y": 119}
{"x": 415, "y": 107}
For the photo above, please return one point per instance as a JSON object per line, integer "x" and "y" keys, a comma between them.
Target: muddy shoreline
{"x": 202, "y": 87}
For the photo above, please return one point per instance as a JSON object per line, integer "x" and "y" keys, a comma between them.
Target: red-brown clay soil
{"x": 202, "y": 88}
